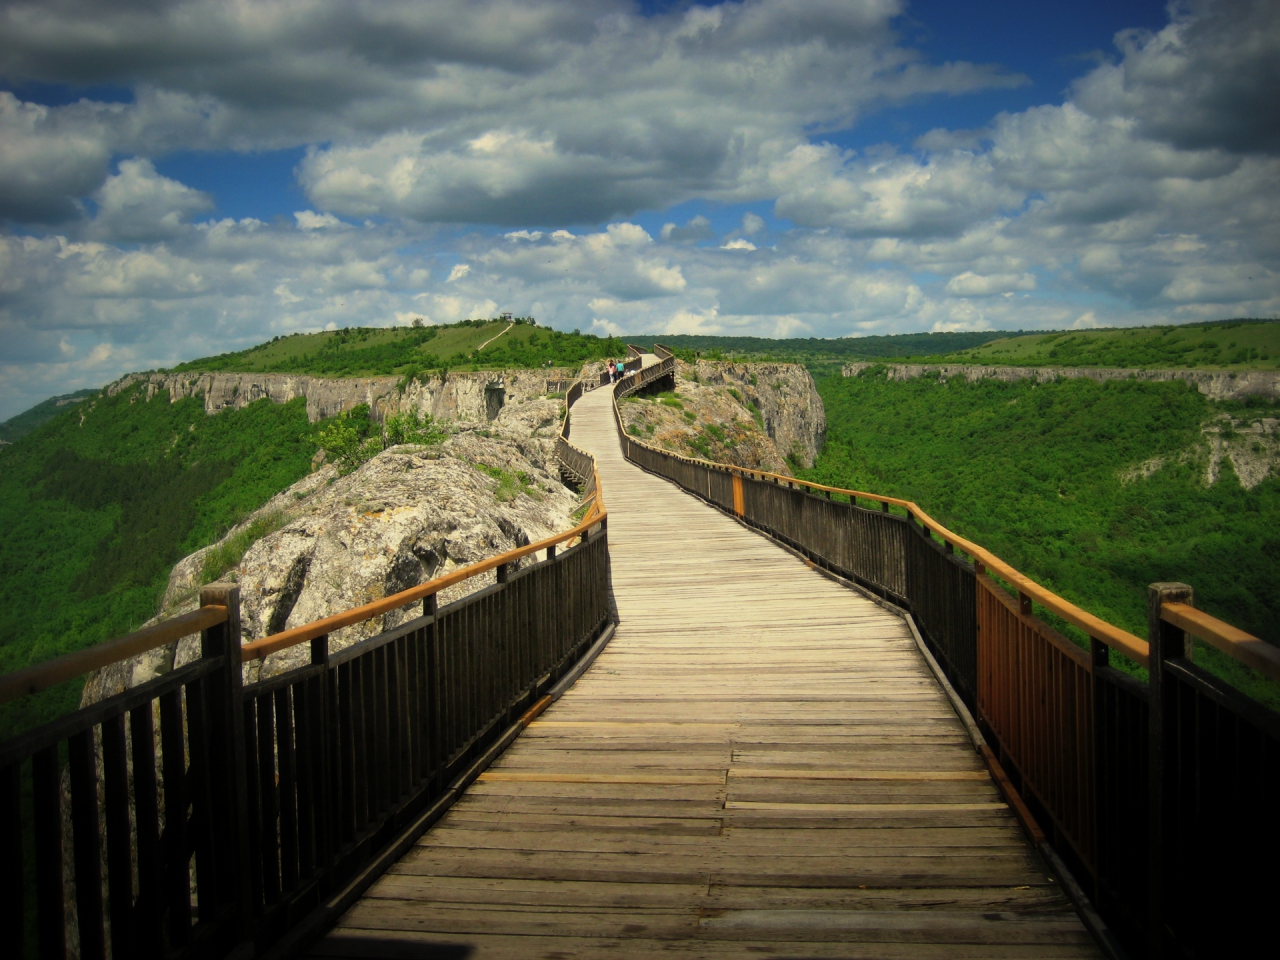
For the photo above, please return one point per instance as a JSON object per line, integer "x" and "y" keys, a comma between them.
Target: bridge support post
{"x": 1167, "y": 642}
{"x": 228, "y": 782}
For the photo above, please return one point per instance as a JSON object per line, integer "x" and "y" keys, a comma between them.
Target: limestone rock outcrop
{"x": 1215, "y": 384}
{"x": 462, "y": 397}
{"x": 751, "y": 415}
{"x": 786, "y": 397}
{"x": 406, "y": 515}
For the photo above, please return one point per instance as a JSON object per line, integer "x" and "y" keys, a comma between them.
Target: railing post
{"x": 1024, "y": 604}
{"x": 229, "y": 816}
{"x": 1099, "y": 655}
{"x": 1166, "y": 642}
{"x": 504, "y": 572}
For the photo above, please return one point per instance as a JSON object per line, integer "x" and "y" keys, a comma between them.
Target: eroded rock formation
{"x": 464, "y": 397}
{"x": 406, "y": 515}
{"x": 759, "y": 415}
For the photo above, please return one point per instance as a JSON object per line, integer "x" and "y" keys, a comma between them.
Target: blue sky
{"x": 179, "y": 179}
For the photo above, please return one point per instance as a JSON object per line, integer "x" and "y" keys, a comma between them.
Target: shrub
{"x": 228, "y": 554}
{"x": 409, "y": 427}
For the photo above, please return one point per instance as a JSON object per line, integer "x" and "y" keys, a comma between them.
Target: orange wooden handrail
{"x": 42, "y": 676}
{"x": 45, "y": 675}
{"x": 259, "y": 649}
{"x": 1134, "y": 647}
{"x": 319, "y": 628}
{"x": 1248, "y": 649}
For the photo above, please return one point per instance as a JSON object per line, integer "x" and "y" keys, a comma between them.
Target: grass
{"x": 228, "y": 554}
{"x": 415, "y": 353}
{"x": 510, "y": 484}
{"x": 1234, "y": 345}
{"x": 804, "y": 350}
{"x": 1228, "y": 345}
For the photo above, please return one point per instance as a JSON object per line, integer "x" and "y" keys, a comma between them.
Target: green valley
{"x": 100, "y": 502}
{"x": 1093, "y": 489}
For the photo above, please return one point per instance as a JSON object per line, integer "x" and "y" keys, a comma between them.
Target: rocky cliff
{"x": 1215, "y": 384}
{"x": 759, "y": 415}
{"x": 331, "y": 542}
{"x": 463, "y": 397}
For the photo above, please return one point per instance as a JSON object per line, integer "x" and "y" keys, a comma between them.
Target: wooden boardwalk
{"x": 760, "y": 763}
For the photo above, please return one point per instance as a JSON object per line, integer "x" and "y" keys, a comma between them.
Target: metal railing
{"x": 208, "y": 816}
{"x": 1160, "y": 811}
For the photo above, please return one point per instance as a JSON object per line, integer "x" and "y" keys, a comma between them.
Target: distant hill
{"x": 898, "y": 346}
{"x": 1240, "y": 344}
{"x": 381, "y": 351}
{"x": 1223, "y": 345}
{"x": 39, "y": 415}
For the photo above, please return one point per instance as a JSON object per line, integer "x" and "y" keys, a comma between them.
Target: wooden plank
{"x": 368, "y": 945}
{"x": 759, "y": 762}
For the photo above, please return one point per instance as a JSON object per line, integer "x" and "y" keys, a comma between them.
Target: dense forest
{"x": 100, "y": 502}
{"x": 1034, "y": 473}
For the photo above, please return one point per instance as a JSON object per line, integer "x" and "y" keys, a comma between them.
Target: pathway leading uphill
{"x": 760, "y": 763}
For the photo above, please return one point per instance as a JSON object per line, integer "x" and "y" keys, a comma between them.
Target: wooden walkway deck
{"x": 760, "y": 763}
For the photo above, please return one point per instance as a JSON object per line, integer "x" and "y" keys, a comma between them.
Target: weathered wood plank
{"x": 759, "y": 762}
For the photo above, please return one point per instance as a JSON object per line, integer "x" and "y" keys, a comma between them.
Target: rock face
{"x": 462, "y": 397}
{"x": 336, "y": 541}
{"x": 1250, "y": 445}
{"x": 783, "y": 393}
{"x": 750, "y": 415}
{"x": 1215, "y": 384}
{"x": 407, "y": 515}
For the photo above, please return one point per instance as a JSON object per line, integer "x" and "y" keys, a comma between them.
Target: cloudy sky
{"x": 181, "y": 179}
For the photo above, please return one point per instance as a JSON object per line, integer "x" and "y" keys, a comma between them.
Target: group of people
{"x": 615, "y": 369}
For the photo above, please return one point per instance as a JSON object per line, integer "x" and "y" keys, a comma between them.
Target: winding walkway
{"x": 759, "y": 763}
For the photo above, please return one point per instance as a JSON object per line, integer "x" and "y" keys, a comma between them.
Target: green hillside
{"x": 39, "y": 415}
{"x": 1225, "y": 345}
{"x": 1033, "y": 473}
{"x": 1222, "y": 345}
{"x": 375, "y": 351}
{"x": 95, "y": 514}
{"x": 815, "y": 349}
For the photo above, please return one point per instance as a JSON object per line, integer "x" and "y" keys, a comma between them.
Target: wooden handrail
{"x": 319, "y": 628}
{"x": 42, "y": 676}
{"x": 1133, "y": 647}
{"x": 259, "y": 649}
{"x": 1245, "y": 647}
